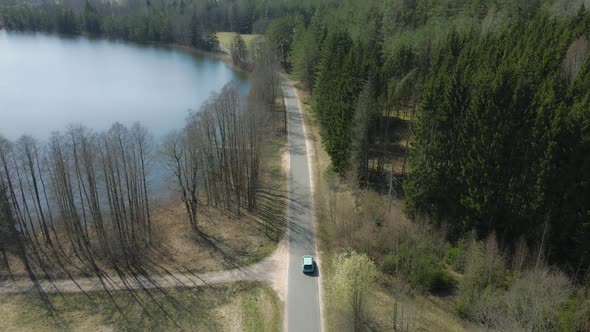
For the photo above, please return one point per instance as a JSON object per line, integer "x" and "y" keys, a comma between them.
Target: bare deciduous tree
{"x": 182, "y": 152}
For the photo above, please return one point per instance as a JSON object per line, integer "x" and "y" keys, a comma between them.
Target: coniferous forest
{"x": 493, "y": 98}
{"x": 497, "y": 94}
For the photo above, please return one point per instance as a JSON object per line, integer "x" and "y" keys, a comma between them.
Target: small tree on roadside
{"x": 354, "y": 274}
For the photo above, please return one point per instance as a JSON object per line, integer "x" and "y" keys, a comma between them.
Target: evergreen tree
{"x": 67, "y": 23}
{"x": 182, "y": 7}
{"x": 364, "y": 114}
{"x": 239, "y": 51}
{"x": 92, "y": 20}
{"x": 280, "y": 34}
{"x": 434, "y": 187}
{"x": 335, "y": 97}
{"x": 196, "y": 37}
{"x": 305, "y": 56}
{"x": 210, "y": 41}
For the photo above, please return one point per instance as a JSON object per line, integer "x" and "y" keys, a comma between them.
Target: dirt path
{"x": 271, "y": 270}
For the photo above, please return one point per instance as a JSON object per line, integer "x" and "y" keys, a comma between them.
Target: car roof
{"x": 307, "y": 259}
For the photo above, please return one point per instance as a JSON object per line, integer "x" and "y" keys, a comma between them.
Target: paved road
{"x": 302, "y": 312}
{"x": 302, "y": 304}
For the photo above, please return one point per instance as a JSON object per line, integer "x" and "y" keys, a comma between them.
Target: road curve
{"x": 302, "y": 305}
{"x": 302, "y": 311}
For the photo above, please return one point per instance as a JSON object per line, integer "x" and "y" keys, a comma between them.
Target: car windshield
{"x": 307, "y": 266}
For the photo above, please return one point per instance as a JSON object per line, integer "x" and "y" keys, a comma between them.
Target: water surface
{"x": 48, "y": 82}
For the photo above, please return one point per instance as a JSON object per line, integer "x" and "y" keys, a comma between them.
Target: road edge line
{"x": 288, "y": 174}
{"x": 311, "y": 152}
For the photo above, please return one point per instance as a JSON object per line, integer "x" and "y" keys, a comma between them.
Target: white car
{"x": 308, "y": 264}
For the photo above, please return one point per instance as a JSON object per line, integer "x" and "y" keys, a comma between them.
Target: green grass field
{"x": 225, "y": 38}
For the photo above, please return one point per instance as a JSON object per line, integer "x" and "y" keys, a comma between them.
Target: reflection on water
{"x": 48, "y": 82}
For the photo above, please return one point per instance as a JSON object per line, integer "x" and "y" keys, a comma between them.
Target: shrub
{"x": 484, "y": 272}
{"x": 372, "y": 206}
{"x": 575, "y": 314}
{"x": 488, "y": 310}
{"x": 418, "y": 263}
{"x": 442, "y": 281}
{"x": 533, "y": 301}
{"x": 455, "y": 256}
{"x": 388, "y": 264}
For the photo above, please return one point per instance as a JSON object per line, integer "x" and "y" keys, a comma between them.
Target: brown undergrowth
{"x": 366, "y": 221}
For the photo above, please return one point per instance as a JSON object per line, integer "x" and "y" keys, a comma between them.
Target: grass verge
{"x": 259, "y": 311}
{"x": 236, "y": 307}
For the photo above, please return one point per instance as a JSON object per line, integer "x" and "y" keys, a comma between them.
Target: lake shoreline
{"x": 107, "y": 80}
{"x": 219, "y": 54}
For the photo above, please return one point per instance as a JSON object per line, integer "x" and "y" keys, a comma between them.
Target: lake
{"x": 48, "y": 82}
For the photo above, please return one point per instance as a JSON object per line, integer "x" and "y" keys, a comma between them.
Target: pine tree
{"x": 182, "y": 7}
{"x": 335, "y": 97}
{"x": 239, "y": 51}
{"x": 92, "y": 19}
{"x": 364, "y": 114}
{"x": 195, "y": 32}
{"x": 280, "y": 34}
{"x": 67, "y": 23}
{"x": 305, "y": 56}
{"x": 434, "y": 187}
{"x": 210, "y": 41}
